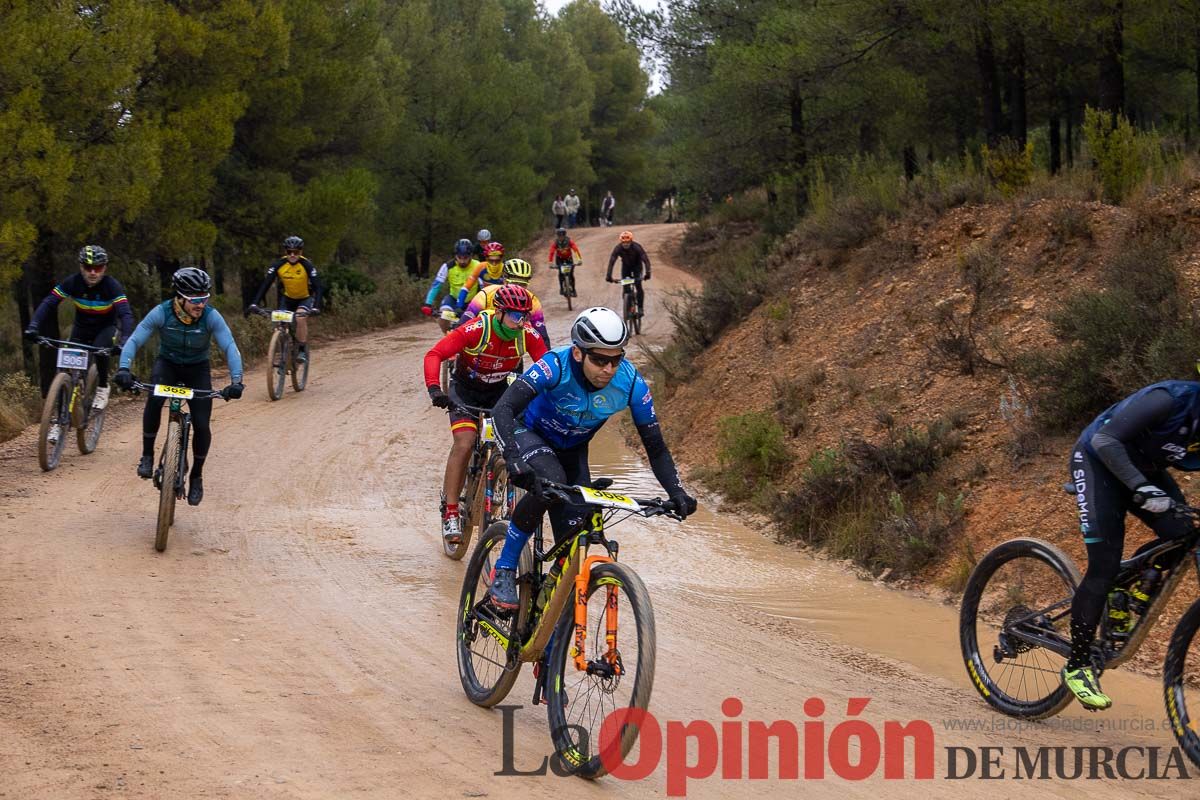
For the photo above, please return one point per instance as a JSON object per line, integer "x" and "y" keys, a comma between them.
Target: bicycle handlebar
{"x": 197, "y": 394}
{"x": 650, "y": 506}
{"x": 45, "y": 341}
{"x": 299, "y": 312}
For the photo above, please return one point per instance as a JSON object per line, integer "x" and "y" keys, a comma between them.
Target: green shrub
{"x": 1137, "y": 328}
{"x": 793, "y": 396}
{"x": 855, "y": 499}
{"x": 340, "y": 280}
{"x": 20, "y": 404}
{"x": 751, "y": 454}
{"x": 1009, "y": 166}
{"x": 1124, "y": 157}
{"x": 727, "y": 297}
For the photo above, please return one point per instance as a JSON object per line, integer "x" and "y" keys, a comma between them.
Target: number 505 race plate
{"x": 610, "y": 499}
{"x": 182, "y": 392}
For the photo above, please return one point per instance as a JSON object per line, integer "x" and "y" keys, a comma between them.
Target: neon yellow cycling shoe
{"x": 1083, "y": 684}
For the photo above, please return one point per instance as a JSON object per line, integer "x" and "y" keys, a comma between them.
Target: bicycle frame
{"x": 1129, "y": 570}
{"x": 573, "y": 580}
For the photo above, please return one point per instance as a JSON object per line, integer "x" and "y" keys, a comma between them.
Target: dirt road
{"x": 296, "y": 639}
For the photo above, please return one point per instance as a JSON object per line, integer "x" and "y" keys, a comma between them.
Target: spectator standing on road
{"x": 559, "y": 209}
{"x": 606, "y": 209}
{"x": 572, "y": 203}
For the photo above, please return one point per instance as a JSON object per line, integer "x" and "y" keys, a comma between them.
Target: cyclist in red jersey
{"x": 486, "y": 350}
{"x": 563, "y": 250}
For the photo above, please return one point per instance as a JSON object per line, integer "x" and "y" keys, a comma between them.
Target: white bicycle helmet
{"x": 599, "y": 327}
{"x": 484, "y": 235}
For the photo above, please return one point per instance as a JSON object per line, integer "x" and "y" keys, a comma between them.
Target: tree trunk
{"x": 41, "y": 282}
{"x": 985, "y": 59}
{"x": 1055, "y": 144}
{"x": 1018, "y": 124}
{"x": 21, "y": 298}
{"x": 798, "y": 150}
{"x": 427, "y": 227}
{"x": 1112, "y": 69}
{"x": 910, "y": 163}
{"x": 1070, "y": 132}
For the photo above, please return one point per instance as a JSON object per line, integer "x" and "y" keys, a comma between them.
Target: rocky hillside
{"x": 869, "y": 337}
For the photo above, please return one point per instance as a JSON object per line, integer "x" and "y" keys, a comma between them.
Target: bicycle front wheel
{"x": 300, "y": 369}
{"x": 87, "y": 435}
{"x": 166, "y": 492}
{"x": 488, "y": 663}
{"x": 589, "y": 736}
{"x": 276, "y": 366}
{"x": 56, "y": 419}
{"x": 1181, "y": 669}
{"x": 1021, "y": 590}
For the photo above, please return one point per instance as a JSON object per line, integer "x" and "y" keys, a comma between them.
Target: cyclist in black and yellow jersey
{"x": 299, "y": 288}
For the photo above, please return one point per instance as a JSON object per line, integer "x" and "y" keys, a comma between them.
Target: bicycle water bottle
{"x": 1120, "y": 621}
{"x": 1141, "y": 592}
{"x": 550, "y": 583}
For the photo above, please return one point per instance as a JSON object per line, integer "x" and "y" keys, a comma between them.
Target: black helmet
{"x": 560, "y": 233}
{"x": 293, "y": 243}
{"x": 191, "y": 282}
{"x": 463, "y": 247}
{"x": 93, "y": 254}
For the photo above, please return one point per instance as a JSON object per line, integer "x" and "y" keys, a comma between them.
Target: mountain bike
{"x": 69, "y": 402}
{"x": 281, "y": 354}
{"x": 173, "y": 460}
{"x": 632, "y": 313}
{"x": 1018, "y": 602}
{"x": 488, "y": 495}
{"x": 566, "y": 280}
{"x": 587, "y": 624}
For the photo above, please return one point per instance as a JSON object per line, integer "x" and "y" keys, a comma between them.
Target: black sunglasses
{"x": 604, "y": 361}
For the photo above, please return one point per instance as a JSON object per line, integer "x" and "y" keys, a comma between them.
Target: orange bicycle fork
{"x": 579, "y": 651}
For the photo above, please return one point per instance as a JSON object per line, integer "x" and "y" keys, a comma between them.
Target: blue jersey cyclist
{"x": 1118, "y": 467}
{"x": 186, "y": 326}
{"x": 549, "y": 415}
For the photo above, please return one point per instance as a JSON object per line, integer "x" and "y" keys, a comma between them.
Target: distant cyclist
{"x": 100, "y": 308}
{"x": 481, "y": 241}
{"x": 299, "y": 286}
{"x": 607, "y": 206}
{"x": 450, "y": 280}
{"x": 489, "y": 273}
{"x": 485, "y": 351}
{"x": 633, "y": 260}
{"x": 517, "y": 271}
{"x": 186, "y": 325}
{"x": 563, "y": 250}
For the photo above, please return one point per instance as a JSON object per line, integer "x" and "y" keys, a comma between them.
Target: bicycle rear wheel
{"x": 300, "y": 370}
{"x": 1021, "y": 589}
{"x": 87, "y": 435}
{"x": 56, "y": 411}
{"x": 166, "y": 491}
{"x": 579, "y": 702}
{"x": 276, "y": 366}
{"x": 488, "y": 651}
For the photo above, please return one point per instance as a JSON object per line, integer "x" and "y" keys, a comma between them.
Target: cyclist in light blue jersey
{"x": 186, "y": 326}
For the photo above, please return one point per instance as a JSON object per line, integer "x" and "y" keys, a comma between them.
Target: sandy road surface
{"x": 296, "y": 639}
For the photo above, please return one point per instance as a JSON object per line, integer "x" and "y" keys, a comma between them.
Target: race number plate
{"x": 626, "y": 281}
{"x": 487, "y": 433}
{"x": 182, "y": 392}
{"x": 282, "y": 316}
{"x": 609, "y": 499}
{"x": 449, "y": 314}
{"x": 72, "y": 359}
{"x": 567, "y": 268}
